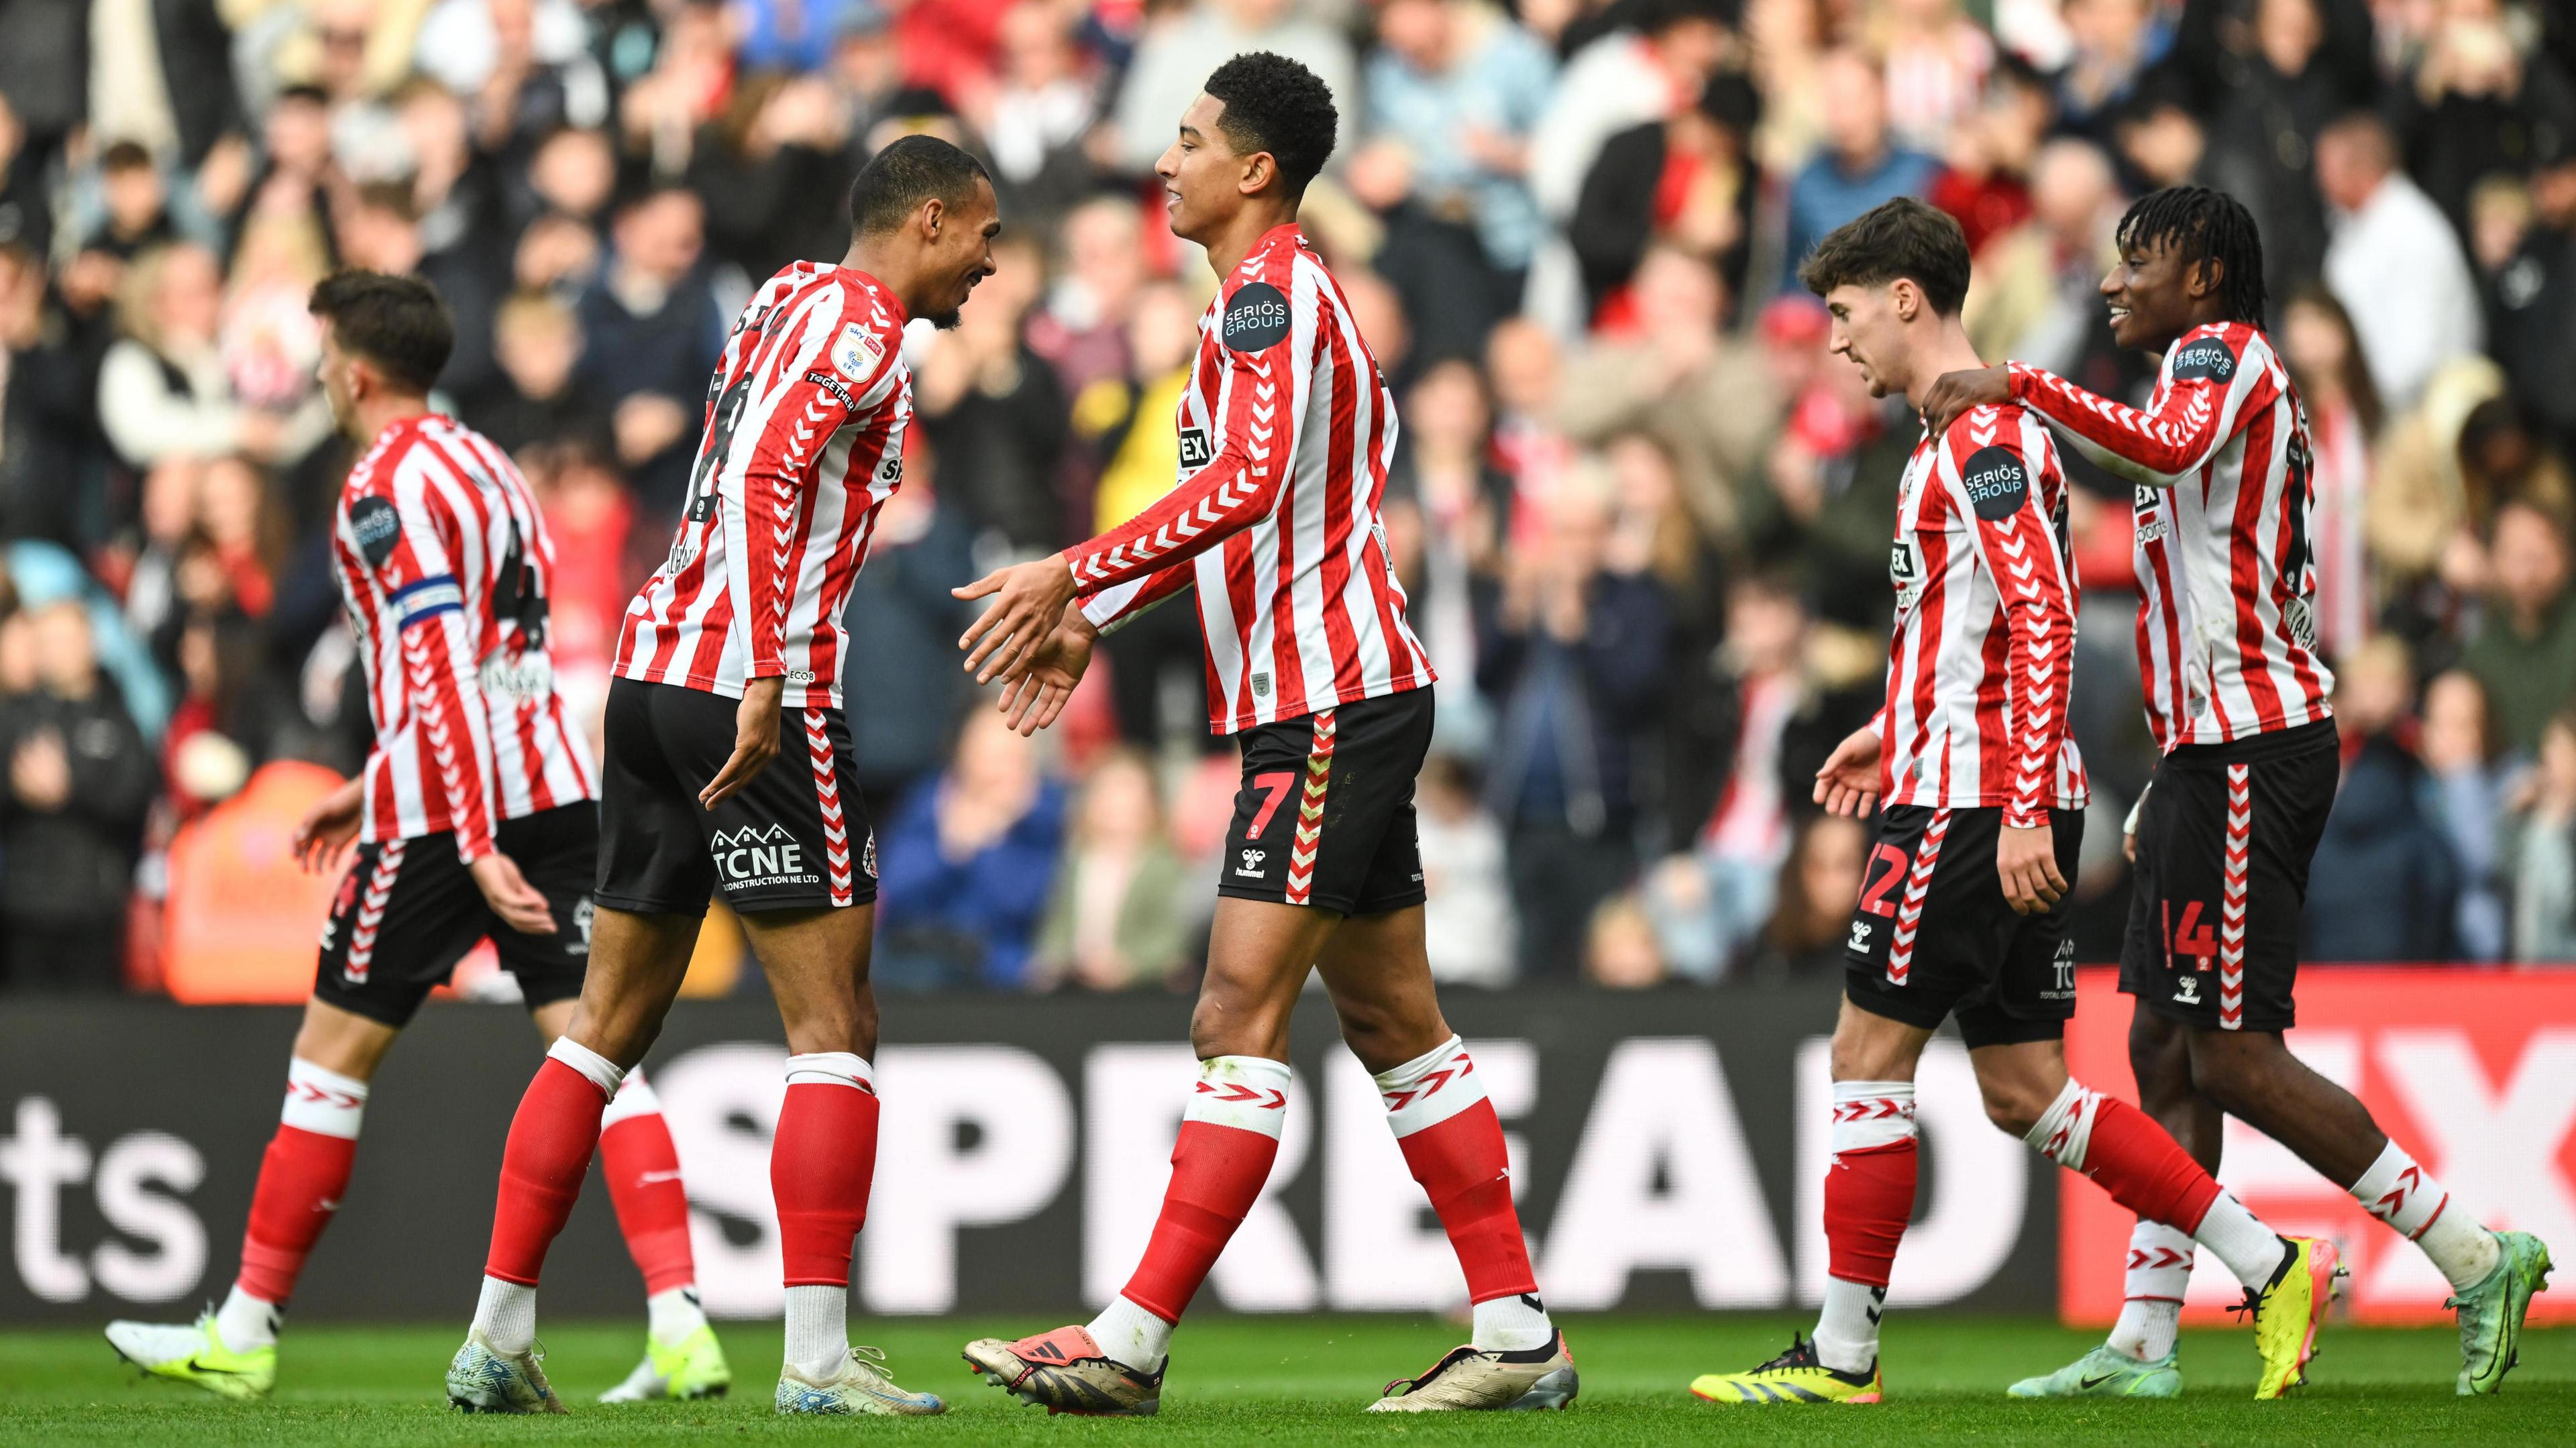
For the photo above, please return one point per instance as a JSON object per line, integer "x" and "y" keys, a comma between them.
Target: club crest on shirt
{"x": 855, "y": 353}
{"x": 1996, "y": 481}
{"x": 377, "y": 527}
{"x": 1255, "y": 318}
{"x": 2207, "y": 359}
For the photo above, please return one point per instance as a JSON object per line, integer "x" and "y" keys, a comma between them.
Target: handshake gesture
{"x": 1028, "y": 639}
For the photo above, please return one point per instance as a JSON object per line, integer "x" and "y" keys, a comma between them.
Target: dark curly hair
{"x": 1900, "y": 238}
{"x": 1274, "y": 104}
{"x": 2204, "y": 226}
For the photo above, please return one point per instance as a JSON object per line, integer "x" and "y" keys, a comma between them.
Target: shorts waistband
{"x": 2271, "y": 744}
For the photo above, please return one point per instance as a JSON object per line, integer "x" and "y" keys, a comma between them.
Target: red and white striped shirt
{"x": 1286, "y": 432}
{"x": 2226, "y": 581}
{"x": 1984, "y": 650}
{"x": 445, "y": 565}
{"x": 803, "y": 444}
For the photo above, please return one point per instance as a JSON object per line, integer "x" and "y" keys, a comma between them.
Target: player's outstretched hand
{"x": 755, "y": 740}
{"x": 1028, "y": 600}
{"x": 1033, "y": 696}
{"x": 1847, "y": 784}
{"x": 326, "y": 829}
{"x": 511, "y": 897}
{"x": 1954, "y": 393}
{"x": 2027, "y": 862}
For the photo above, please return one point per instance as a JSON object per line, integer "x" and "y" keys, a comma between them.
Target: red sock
{"x": 643, "y": 1171}
{"x": 302, "y": 1177}
{"x": 1229, "y": 1138}
{"x": 2141, "y": 1165}
{"x": 2126, "y": 1155}
{"x": 1453, "y": 1143}
{"x": 821, "y": 1164}
{"x": 1869, "y": 1197}
{"x": 551, "y": 1139}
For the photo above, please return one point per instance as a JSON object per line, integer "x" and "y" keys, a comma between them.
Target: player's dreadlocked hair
{"x": 2203, "y": 226}
{"x": 1274, "y": 104}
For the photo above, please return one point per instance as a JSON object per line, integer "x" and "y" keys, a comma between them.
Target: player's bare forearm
{"x": 1954, "y": 394}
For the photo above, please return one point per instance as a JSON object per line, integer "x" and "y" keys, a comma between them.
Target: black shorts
{"x": 795, "y": 838}
{"x": 2224, "y": 842}
{"x": 1325, "y": 814}
{"x": 408, "y": 910}
{"x": 1933, "y": 935}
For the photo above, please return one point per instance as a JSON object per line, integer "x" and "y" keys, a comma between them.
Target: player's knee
{"x": 2013, "y": 1108}
{"x": 2226, "y": 1071}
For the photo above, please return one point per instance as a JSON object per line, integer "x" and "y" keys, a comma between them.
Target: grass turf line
{"x": 1299, "y": 1379}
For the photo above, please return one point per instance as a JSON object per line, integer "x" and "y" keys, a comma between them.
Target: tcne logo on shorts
{"x": 757, "y": 855}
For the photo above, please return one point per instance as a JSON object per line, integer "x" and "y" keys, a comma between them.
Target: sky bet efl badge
{"x": 855, "y": 354}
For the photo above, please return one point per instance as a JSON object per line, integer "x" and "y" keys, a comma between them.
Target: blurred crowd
{"x": 1641, "y": 514}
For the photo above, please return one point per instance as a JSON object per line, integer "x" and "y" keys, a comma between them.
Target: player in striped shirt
{"x": 1286, "y": 431}
{"x": 2223, "y": 837}
{"x": 1963, "y": 909}
{"x": 473, "y": 818}
{"x": 737, "y": 635}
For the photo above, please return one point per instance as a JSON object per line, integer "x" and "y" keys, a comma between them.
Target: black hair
{"x": 2202, "y": 225}
{"x": 1274, "y": 104}
{"x": 1654, "y": 17}
{"x": 305, "y": 94}
{"x": 397, "y": 323}
{"x": 1899, "y": 238}
{"x": 908, "y": 172}
{"x": 125, "y": 156}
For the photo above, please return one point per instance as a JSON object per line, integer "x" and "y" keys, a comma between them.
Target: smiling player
{"x": 2223, "y": 837}
{"x": 1286, "y": 431}
{"x": 1963, "y": 910}
{"x": 803, "y": 444}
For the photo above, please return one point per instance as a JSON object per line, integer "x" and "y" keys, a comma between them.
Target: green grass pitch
{"x": 1286, "y": 1380}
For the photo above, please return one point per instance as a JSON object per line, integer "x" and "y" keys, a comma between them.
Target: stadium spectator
{"x": 1861, "y": 164}
{"x": 2525, "y": 654}
{"x": 2384, "y": 885}
{"x": 1619, "y": 946}
{"x": 2542, "y": 859}
{"x": 1675, "y": 376}
{"x": 1116, "y": 918}
{"x": 1468, "y": 921}
{"x": 1571, "y": 656}
{"x": 996, "y": 412}
{"x": 653, "y": 331}
{"x": 2394, "y": 261}
{"x": 71, "y": 818}
{"x": 2344, "y": 418}
{"x": 1804, "y": 940}
{"x": 163, "y": 390}
{"x": 2534, "y": 291}
{"x": 1687, "y": 182}
{"x": 48, "y": 455}
{"x": 2458, "y": 747}
{"x": 965, "y": 866}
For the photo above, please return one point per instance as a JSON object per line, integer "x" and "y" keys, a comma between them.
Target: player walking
{"x": 2223, "y": 837}
{"x": 1286, "y": 431}
{"x": 742, "y": 625}
{"x": 474, "y": 820}
{"x": 1972, "y": 755}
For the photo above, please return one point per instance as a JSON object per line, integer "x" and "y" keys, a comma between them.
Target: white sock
{"x": 2401, "y": 1193}
{"x": 818, "y": 1331}
{"x": 1131, "y": 1335}
{"x": 507, "y": 1315}
{"x": 2064, "y": 1132}
{"x": 672, "y": 1314}
{"x": 1517, "y": 1323}
{"x": 1847, "y": 1330}
{"x": 604, "y": 1073}
{"x": 244, "y": 1322}
{"x": 2251, "y": 1250}
{"x": 2158, "y": 1276}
